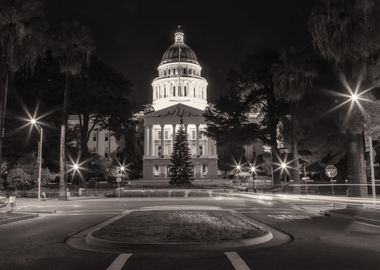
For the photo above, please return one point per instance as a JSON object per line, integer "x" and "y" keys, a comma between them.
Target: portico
{"x": 158, "y": 129}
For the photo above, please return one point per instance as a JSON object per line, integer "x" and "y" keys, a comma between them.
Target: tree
{"x": 181, "y": 168}
{"x": 346, "y": 33}
{"x": 100, "y": 98}
{"x": 73, "y": 48}
{"x": 293, "y": 77}
{"x": 131, "y": 148}
{"x": 228, "y": 124}
{"x": 22, "y": 42}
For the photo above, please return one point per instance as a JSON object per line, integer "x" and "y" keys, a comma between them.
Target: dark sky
{"x": 132, "y": 35}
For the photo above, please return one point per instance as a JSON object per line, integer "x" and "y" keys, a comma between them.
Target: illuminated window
{"x": 156, "y": 170}
{"x": 201, "y": 150}
{"x": 204, "y": 169}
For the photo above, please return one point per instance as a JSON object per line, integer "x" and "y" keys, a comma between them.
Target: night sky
{"x": 132, "y": 35}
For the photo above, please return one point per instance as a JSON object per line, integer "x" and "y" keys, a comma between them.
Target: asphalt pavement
{"x": 315, "y": 241}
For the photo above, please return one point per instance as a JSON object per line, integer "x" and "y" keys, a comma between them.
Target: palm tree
{"x": 293, "y": 77}
{"x": 345, "y": 34}
{"x": 22, "y": 43}
{"x": 72, "y": 48}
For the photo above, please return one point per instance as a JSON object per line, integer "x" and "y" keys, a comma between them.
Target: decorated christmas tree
{"x": 181, "y": 169}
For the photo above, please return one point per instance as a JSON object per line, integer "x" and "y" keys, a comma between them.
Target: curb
{"x": 217, "y": 245}
{"x": 25, "y": 217}
{"x": 368, "y": 221}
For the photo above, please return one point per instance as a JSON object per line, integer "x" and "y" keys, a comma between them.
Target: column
{"x": 162, "y": 140}
{"x": 146, "y": 140}
{"x": 173, "y": 126}
{"x": 197, "y": 139}
{"x": 150, "y": 140}
{"x": 209, "y": 147}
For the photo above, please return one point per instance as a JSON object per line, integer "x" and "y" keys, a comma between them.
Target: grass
{"x": 174, "y": 226}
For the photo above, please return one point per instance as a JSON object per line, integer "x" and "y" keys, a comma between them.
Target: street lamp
{"x": 34, "y": 122}
{"x": 355, "y": 98}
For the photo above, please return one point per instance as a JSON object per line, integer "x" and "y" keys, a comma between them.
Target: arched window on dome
{"x": 185, "y": 71}
{"x": 180, "y": 91}
{"x": 173, "y": 91}
{"x": 185, "y": 91}
{"x": 194, "y": 92}
{"x": 165, "y": 72}
{"x": 164, "y": 91}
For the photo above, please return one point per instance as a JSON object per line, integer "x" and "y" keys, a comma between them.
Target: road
{"x": 317, "y": 242}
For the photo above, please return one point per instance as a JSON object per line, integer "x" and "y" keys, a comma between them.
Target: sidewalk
{"x": 365, "y": 215}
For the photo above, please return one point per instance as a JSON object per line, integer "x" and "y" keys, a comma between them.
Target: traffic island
{"x": 205, "y": 228}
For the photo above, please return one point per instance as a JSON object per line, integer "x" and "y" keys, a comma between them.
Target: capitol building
{"x": 178, "y": 92}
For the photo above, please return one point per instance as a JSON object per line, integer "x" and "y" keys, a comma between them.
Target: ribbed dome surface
{"x": 172, "y": 54}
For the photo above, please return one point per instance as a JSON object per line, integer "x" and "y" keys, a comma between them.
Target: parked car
{"x": 3, "y": 201}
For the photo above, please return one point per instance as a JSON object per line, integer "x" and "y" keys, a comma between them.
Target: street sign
{"x": 331, "y": 171}
{"x": 118, "y": 180}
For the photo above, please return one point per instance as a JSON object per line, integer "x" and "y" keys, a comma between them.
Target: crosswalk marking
{"x": 289, "y": 216}
{"x": 236, "y": 261}
{"x": 119, "y": 262}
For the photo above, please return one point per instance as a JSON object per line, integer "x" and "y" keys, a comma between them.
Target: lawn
{"x": 185, "y": 226}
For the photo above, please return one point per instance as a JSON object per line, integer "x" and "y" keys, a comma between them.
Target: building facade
{"x": 179, "y": 92}
{"x": 101, "y": 141}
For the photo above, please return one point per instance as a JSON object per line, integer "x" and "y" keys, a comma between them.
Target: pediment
{"x": 178, "y": 110}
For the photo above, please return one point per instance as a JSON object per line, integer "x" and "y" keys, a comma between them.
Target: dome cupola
{"x": 179, "y": 51}
{"x": 179, "y": 77}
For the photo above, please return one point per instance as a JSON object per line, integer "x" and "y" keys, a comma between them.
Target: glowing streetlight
{"x": 252, "y": 169}
{"x": 122, "y": 168}
{"x": 284, "y": 165}
{"x": 354, "y": 97}
{"x": 76, "y": 167}
{"x": 238, "y": 167}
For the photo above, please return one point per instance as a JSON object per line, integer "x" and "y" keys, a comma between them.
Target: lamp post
{"x": 34, "y": 122}
{"x": 355, "y": 98}
{"x": 122, "y": 169}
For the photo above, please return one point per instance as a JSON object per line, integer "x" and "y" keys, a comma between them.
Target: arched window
{"x": 194, "y": 91}
{"x": 165, "y": 91}
{"x": 180, "y": 91}
{"x": 173, "y": 91}
{"x": 185, "y": 91}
